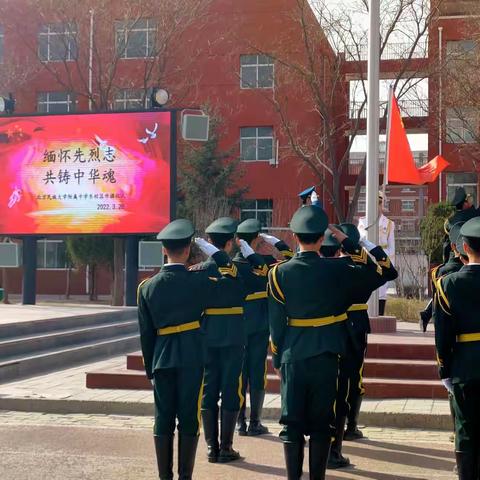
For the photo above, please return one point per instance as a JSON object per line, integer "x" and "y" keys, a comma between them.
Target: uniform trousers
{"x": 466, "y": 401}
{"x": 308, "y": 392}
{"x": 355, "y": 360}
{"x": 223, "y": 378}
{"x": 255, "y": 363}
{"x": 178, "y": 394}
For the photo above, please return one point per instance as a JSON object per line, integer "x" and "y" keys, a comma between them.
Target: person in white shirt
{"x": 386, "y": 240}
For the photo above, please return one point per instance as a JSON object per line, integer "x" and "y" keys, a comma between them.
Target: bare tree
{"x": 331, "y": 54}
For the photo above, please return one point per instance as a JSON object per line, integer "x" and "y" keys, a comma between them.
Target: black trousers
{"x": 177, "y": 394}
{"x": 466, "y": 402}
{"x": 309, "y": 391}
{"x": 254, "y": 372}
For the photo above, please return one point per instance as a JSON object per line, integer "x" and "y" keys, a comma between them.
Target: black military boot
{"x": 227, "y": 429}
{"x": 164, "y": 451}
{"x": 336, "y": 460}
{"x": 318, "y": 458}
{"x": 294, "y": 452}
{"x": 255, "y": 427}
{"x": 210, "y": 430}
{"x": 381, "y": 307}
{"x": 352, "y": 432}
{"x": 466, "y": 465}
{"x": 187, "y": 449}
{"x": 241, "y": 421}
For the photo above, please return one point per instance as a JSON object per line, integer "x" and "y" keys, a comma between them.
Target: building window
{"x": 2, "y": 42}
{"x": 461, "y": 48}
{"x": 256, "y": 143}
{"x": 262, "y": 210}
{"x": 51, "y": 254}
{"x": 465, "y": 180}
{"x": 361, "y": 206}
{"x": 462, "y": 125}
{"x": 55, "y": 102}
{"x": 131, "y": 99}
{"x": 408, "y": 205}
{"x": 135, "y": 39}
{"x": 256, "y": 71}
{"x": 57, "y": 42}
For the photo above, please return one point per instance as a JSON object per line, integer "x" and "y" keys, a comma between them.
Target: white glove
{"x": 314, "y": 197}
{"x": 207, "y": 248}
{"x": 270, "y": 239}
{"x": 245, "y": 248}
{"x": 152, "y": 381}
{"x": 447, "y": 383}
{"x": 367, "y": 244}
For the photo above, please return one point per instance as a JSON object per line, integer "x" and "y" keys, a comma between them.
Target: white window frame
{"x": 121, "y": 99}
{"x": 69, "y": 102}
{"x": 256, "y": 65}
{"x": 459, "y": 130}
{"x": 46, "y": 241}
{"x": 257, "y": 138}
{"x": 258, "y": 210}
{"x": 126, "y": 28}
{"x": 409, "y": 202}
{"x": 70, "y": 34}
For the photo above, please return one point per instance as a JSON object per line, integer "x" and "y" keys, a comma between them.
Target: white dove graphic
{"x": 151, "y": 134}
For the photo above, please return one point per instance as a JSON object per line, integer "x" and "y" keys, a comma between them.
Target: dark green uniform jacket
{"x": 253, "y": 272}
{"x": 174, "y": 297}
{"x": 284, "y": 249}
{"x": 308, "y": 300}
{"x": 224, "y": 323}
{"x": 358, "y": 321}
{"x": 457, "y": 217}
{"x": 457, "y": 325}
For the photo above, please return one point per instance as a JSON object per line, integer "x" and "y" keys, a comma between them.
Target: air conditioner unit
{"x": 274, "y": 161}
{"x": 9, "y": 255}
{"x": 150, "y": 254}
{"x": 195, "y": 127}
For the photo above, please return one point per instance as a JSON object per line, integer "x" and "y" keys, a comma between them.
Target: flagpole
{"x": 373, "y": 131}
{"x": 387, "y": 144}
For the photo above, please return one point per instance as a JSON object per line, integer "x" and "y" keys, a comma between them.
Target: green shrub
{"x": 405, "y": 309}
{"x": 432, "y": 230}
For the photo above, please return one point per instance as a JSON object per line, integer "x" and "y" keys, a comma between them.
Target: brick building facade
{"x": 220, "y": 58}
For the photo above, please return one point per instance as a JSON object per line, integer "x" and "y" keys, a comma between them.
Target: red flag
{"x": 401, "y": 163}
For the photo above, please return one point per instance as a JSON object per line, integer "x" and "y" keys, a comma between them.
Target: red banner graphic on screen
{"x": 85, "y": 174}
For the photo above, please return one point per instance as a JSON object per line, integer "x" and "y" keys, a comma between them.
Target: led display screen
{"x": 85, "y": 174}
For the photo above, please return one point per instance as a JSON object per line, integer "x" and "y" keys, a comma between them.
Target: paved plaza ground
{"x": 93, "y": 447}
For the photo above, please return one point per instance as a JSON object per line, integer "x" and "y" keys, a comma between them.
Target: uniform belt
{"x": 468, "y": 337}
{"x": 360, "y": 307}
{"x": 384, "y": 246}
{"x": 316, "y": 322}
{"x": 256, "y": 296}
{"x": 224, "y": 311}
{"x": 184, "y": 327}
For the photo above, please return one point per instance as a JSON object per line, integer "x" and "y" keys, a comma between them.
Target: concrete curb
{"x": 372, "y": 419}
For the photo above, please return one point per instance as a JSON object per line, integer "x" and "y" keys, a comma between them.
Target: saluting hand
{"x": 207, "y": 248}
{"x": 337, "y": 233}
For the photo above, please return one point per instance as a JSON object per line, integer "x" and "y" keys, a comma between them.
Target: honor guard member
{"x": 170, "y": 308}
{"x": 464, "y": 211}
{"x": 351, "y": 389}
{"x": 225, "y": 337}
{"x": 457, "y": 337}
{"x": 386, "y": 240}
{"x": 454, "y": 264}
{"x": 308, "y": 300}
{"x": 253, "y": 269}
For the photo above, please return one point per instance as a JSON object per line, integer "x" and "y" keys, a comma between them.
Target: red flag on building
{"x": 401, "y": 163}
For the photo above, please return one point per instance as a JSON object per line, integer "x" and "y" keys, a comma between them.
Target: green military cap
{"x": 249, "y": 226}
{"x": 330, "y": 240}
{"x": 223, "y": 226}
{"x": 459, "y": 196}
{"x": 471, "y": 229}
{"x": 351, "y": 231}
{"x": 309, "y": 220}
{"x": 180, "y": 229}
